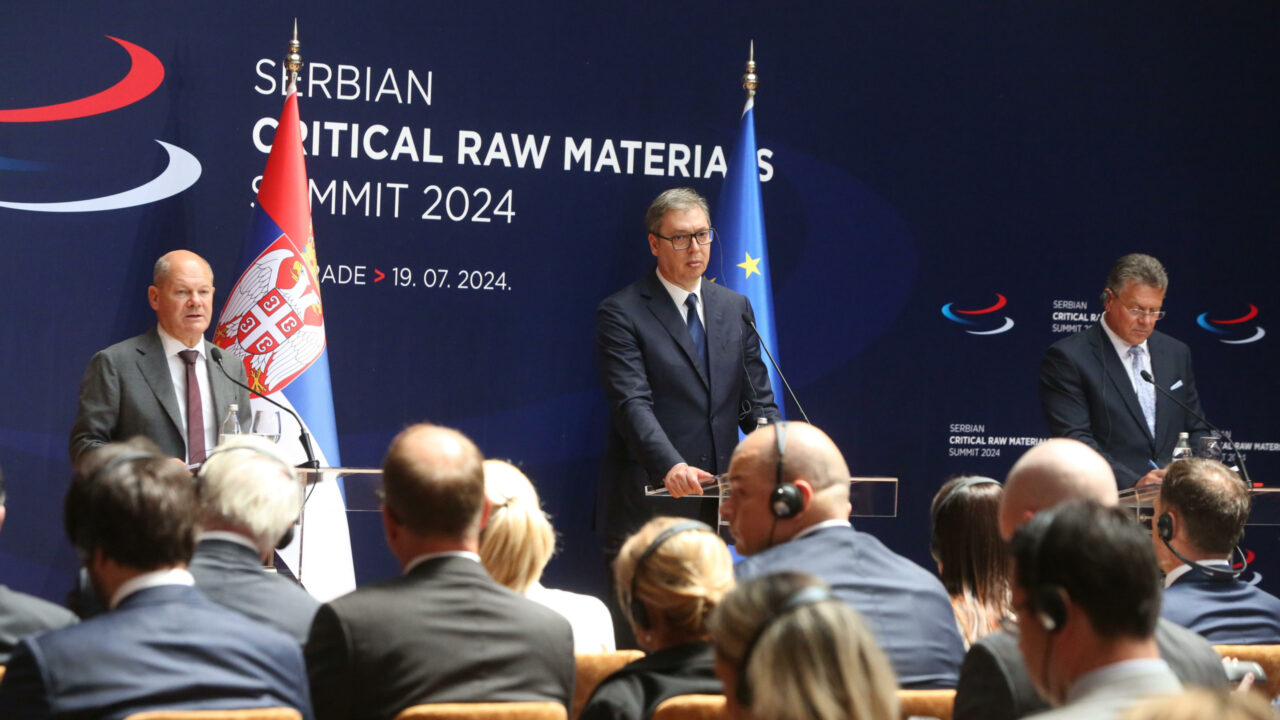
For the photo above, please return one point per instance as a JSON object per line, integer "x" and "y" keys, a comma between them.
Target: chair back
{"x": 691, "y": 707}
{"x": 926, "y": 703}
{"x": 591, "y": 669}
{"x": 272, "y": 713}
{"x": 1268, "y": 656}
{"x": 485, "y": 711}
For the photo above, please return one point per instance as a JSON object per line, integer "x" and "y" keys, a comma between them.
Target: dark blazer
{"x": 636, "y": 690}
{"x": 165, "y": 647}
{"x": 904, "y": 606}
{"x": 994, "y": 684}
{"x": 1086, "y": 394}
{"x": 127, "y": 390}
{"x": 22, "y": 615}
{"x": 665, "y": 408}
{"x": 1225, "y": 611}
{"x": 446, "y": 632}
{"x": 232, "y": 576}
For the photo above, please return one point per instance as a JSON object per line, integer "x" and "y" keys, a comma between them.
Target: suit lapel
{"x": 666, "y": 313}
{"x": 1118, "y": 376}
{"x": 220, "y": 389}
{"x": 1162, "y": 373}
{"x": 717, "y": 328}
{"x": 155, "y": 370}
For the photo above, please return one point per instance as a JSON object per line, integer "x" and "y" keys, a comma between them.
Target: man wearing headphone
{"x": 1199, "y": 522}
{"x": 788, "y": 509}
{"x": 1086, "y": 590}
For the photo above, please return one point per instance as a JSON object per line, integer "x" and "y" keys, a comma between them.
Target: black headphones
{"x": 1045, "y": 599}
{"x": 804, "y": 596}
{"x": 1164, "y": 529}
{"x": 287, "y": 537}
{"x": 947, "y": 499}
{"x": 638, "y": 613}
{"x": 785, "y": 500}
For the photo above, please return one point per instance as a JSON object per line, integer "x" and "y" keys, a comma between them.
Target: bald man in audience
{"x": 994, "y": 683}
{"x": 788, "y": 510}
{"x": 445, "y": 631}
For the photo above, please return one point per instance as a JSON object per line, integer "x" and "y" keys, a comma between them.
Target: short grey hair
{"x": 1143, "y": 269}
{"x": 674, "y": 199}
{"x": 161, "y": 269}
{"x": 247, "y": 485}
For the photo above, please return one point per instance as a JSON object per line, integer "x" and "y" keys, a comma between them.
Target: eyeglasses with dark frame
{"x": 682, "y": 242}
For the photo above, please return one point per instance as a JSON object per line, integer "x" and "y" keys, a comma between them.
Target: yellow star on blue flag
{"x": 752, "y": 265}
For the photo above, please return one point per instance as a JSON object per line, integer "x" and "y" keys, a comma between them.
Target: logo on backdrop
{"x": 985, "y": 318}
{"x": 273, "y": 318}
{"x": 145, "y": 74}
{"x": 1234, "y": 331}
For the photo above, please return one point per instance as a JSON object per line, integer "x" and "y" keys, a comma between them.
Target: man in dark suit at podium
{"x": 1091, "y": 385}
{"x": 681, "y": 370}
{"x": 160, "y": 384}
{"x": 1200, "y": 519}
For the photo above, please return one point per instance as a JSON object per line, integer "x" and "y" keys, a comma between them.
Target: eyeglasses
{"x": 682, "y": 242}
{"x": 1139, "y": 312}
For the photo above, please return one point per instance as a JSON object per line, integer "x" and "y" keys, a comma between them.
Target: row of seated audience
{"x": 824, "y": 621}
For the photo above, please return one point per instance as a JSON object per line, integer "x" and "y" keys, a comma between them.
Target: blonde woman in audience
{"x": 787, "y": 649}
{"x": 670, "y": 576}
{"x": 515, "y": 546}
{"x": 1202, "y": 704}
{"x": 965, "y": 542}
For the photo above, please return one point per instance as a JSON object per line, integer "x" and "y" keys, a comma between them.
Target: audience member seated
{"x": 445, "y": 631}
{"x": 515, "y": 546}
{"x": 994, "y": 684}
{"x": 1201, "y": 704}
{"x": 670, "y": 576}
{"x": 1086, "y": 590}
{"x": 22, "y": 614}
{"x": 1200, "y": 517}
{"x": 788, "y": 649}
{"x": 131, "y": 516}
{"x": 965, "y": 542}
{"x": 788, "y": 509}
{"x": 249, "y": 500}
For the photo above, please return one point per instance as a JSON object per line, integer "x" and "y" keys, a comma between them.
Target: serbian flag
{"x": 739, "y": 225}
{"x": 273, "y": 322}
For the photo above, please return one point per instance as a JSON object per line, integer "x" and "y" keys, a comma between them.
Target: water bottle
{"x": 1183, "y": 448}
{"x": 231, "y": 424}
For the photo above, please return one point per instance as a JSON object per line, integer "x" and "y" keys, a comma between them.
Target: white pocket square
{"x": 1176, "y": 385}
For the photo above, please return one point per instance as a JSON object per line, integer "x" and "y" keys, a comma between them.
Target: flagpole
{"x": 292, "y": 59}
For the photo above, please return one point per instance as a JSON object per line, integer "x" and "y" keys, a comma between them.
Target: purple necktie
{"x": 195, "y": 410}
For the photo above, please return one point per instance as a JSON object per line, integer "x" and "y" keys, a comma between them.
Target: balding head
{"x": 1053, "y": 472}
{"x": 433, "y": 483}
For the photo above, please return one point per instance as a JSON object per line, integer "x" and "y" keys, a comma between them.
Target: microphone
{"x": 305, "y": 437}
{"x": 746, "y": 318}
{"x": 1231, "y": 443}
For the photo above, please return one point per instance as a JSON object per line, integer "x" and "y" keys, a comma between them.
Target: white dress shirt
{"x": 178, "y": 373}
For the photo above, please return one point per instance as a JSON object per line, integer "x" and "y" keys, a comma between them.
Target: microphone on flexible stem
{"x": 1244, "y": 472}
{"x": 746, "y": 318}
{"x": 305, "y": 437}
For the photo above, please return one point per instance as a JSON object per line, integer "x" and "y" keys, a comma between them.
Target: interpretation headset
{"x": 804, "y": 596}
{"x": 1164, "y": 529}
{"x": 638, "y": 613}
{"x": 785, "y": 500}
{"x": 287, "y": 537}
{"x": 949, "y": 498}
{"x": 1045, "y": 599}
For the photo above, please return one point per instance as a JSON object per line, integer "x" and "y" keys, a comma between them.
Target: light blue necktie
{"x": 696, "y": 331}
{"x": 1146, "y": 391}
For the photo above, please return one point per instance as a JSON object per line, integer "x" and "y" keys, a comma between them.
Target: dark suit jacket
{"x": 1224, "y": 611}
{"x": 165, "y": 647}
{"x": 1086, "y": 394}
{"x": 232, "y": 576}
{"x": 665, "y": 408}
{"x": 22, "y": 615}
{"x": 635, "y": 691}
{"x": 904, "y": 606}
{"x": 127, "y": 390}
{"x": 994, "y": 684}
{"x": 446, "y": 632}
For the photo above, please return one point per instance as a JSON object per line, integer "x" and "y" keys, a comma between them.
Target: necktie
{"x": 195, "y": 410}
{"x": 696, "y": 331}
{"x": 1146, "y": 391}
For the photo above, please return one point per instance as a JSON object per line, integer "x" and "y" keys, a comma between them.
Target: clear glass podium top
{"x": 1265, "y": 512}
{"x": 870, "y": 496}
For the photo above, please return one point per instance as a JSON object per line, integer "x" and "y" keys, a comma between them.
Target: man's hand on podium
{"x": 684, "y": 480}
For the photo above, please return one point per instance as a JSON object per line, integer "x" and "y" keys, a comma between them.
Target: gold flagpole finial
{"x": 751, "y": 80}
{"x": 292, "y": 59}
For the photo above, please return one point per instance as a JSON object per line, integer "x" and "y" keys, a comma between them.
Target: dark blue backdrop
{"x": 923, "y": 153}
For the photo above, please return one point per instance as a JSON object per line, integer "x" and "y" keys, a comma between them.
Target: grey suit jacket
{"x": 22, "y": 615}
{"x": 1106, "y": 693}
{"x": 994, "y": 684}
{"x": 127, "y": 390}
{"x": 231, "y": 575}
